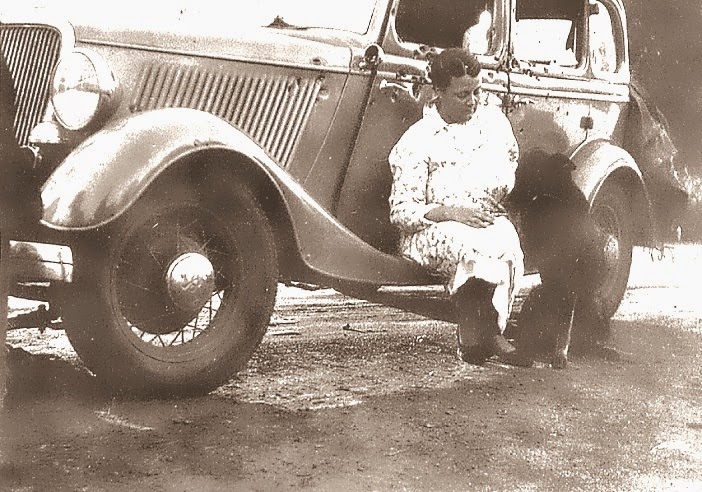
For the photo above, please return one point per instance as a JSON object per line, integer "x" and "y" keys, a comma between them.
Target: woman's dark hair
{"x": 450, "y": 63}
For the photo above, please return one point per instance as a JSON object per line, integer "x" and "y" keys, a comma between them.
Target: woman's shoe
{"x": 470, "y": 346}
{"x": 508, "y": 353}
{"x": 517, "y": 358}
{"x": 474, "y": 354}
{"x": 499, "y": 345}
{"x": 479, "y": 354}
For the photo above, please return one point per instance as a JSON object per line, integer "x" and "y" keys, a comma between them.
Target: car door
{"x": 401, "y": 89}
{"x": 609, "y": 67}
{"x": 549, "y": 102}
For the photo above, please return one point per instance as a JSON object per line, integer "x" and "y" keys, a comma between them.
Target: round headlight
{"x": 83, "y": 87}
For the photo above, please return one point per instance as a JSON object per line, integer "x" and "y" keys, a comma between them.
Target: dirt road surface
{"x": 344, "y": 395}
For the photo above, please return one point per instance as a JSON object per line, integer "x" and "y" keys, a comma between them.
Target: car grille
{"x": 31, "y": 53}
{"x": 272, "y": 111}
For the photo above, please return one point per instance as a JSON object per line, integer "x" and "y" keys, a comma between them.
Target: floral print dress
{"x": 435, "y": 163}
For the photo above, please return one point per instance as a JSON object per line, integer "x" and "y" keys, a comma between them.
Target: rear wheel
{"x": 175, "y": 297}
{"x": 612, "y": 214}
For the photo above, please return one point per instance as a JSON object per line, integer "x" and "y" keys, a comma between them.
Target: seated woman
{"x": 451, "y": 171}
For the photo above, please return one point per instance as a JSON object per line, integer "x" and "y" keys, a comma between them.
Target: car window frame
{"x": 581, "y": 71}
{"x": 408, "y": 49}
{"x": 621, "y": 74}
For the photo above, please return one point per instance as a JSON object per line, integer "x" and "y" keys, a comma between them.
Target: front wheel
{"x": 175, "y": 297}
{"x": 614, "y": 218}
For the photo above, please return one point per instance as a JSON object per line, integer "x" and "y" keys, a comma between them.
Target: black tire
{"x": 612, "y": 213}
{"x": 142, "y": 323}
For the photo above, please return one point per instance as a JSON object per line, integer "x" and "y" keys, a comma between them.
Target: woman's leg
{"x": 494, "y": 340}
{"x": 476, "y": 262}
{"x": 479, "y": 335}
{"x": 469, "y": 331}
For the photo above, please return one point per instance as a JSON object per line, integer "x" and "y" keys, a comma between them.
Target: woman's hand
{"x": 496, "y": 207}
{"x": 481, "y": 214}
{"x": 474, "y": 217}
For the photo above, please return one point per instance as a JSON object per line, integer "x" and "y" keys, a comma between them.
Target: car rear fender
{"x": 598, "y": 162}
{"x": 105, "y": 175}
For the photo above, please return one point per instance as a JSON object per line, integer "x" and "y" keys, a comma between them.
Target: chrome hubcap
{"x": 190, "y": 280}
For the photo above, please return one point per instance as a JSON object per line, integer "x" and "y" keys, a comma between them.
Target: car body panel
{"x": 557, "y": 107}
{"x": 255, "y": 45}
{"x": 545, "y": 113}
{"x": 363, "y": 201}
{"x": 287, "y": 109}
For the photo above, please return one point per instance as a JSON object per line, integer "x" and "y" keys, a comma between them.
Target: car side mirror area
{"x": 372, "y": 58}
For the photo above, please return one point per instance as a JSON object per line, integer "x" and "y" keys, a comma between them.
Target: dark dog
{"x": 560, "y": 236}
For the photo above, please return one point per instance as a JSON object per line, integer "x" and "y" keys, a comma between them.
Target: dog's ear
{"x": 522, "y": 185}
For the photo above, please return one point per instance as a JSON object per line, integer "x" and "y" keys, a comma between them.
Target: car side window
{"x": 549, "y": 32}
{"x": 448, "y": 23}
{"x": 603, "y": 45}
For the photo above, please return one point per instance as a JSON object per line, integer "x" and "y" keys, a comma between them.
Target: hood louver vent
{"x": 272, "y": 111}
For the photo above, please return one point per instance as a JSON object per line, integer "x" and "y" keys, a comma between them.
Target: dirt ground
{"x": 344, "y": 395}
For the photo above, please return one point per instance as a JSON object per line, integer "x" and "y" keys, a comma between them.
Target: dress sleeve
{"x": 408, "y": 196}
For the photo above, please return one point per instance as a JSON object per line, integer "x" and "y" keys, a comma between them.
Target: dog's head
{"x": 540, "y": 173}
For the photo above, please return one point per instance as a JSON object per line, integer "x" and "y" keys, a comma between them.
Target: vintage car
{"x": 194, "y": 159}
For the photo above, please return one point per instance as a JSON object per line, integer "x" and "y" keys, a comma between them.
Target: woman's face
{"x": 460, "y": 99}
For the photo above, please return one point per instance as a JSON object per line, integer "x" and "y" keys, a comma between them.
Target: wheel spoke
{"x": 197, "y": 326}
{"x": 138, "y": 286}
{"x": 156, "y": 337}
{"x": 144, "y": 261}
{"x": 180, "y": 333}
{"x": 173, "y": 339}
{"x": 194, "y": 328}
{"x": 219, "y": 273}
{"x": 154, "y": 257}
{"x": 207, "y": 243}
{"x": 173, "y": 278}
{"x": 216, "y": 251}
{"x": 153, "y": 318}
{"x": 180, "y": 243}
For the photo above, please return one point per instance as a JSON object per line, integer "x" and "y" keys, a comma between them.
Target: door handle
{"x": 407, "y": 87}
{"x": 518, "y": 101}
{"x": 587, "y": 123}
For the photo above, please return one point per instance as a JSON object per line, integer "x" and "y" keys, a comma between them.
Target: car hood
{"x": 260, "y": 45}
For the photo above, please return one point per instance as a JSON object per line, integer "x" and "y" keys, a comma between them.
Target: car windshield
{"x": 351, "y": 16}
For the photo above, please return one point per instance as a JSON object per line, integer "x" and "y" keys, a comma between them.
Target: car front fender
{"x": 109, "y": 171}
{"x": 105, "y": 175}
